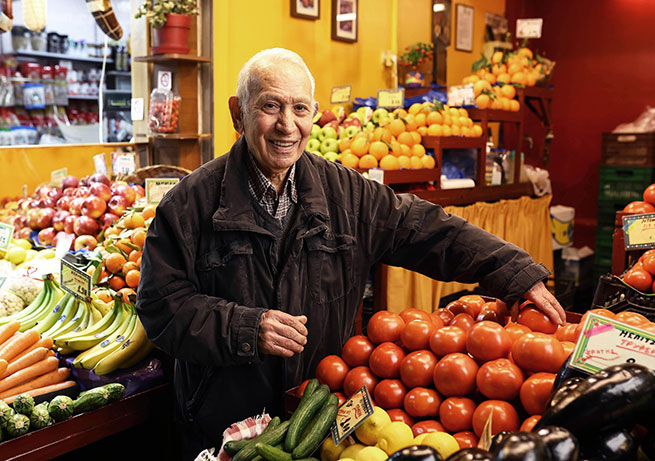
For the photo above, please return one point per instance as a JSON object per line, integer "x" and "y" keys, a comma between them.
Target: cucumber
{"x": 61, "y": 408}
{"x": 272, "y": 437}
{"x": 303, "y": 415}
{"x": 116, "y": 391}
{"x": 319, "y": 428}
{"x": 270, "y": 453}
{"x": 18, "y": 425}
{"x": 6, "y": 412}
{"x": 91, "y": 400}
{"x": 40, "y": 417}
{"x": 310, "y": 388}
{"x": 23, "y": 404}
{"x": 233, "y": 446}
{"x": 331, "y": 400}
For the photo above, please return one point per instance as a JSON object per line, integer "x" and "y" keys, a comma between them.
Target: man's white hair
{"x": 248, "y": 75}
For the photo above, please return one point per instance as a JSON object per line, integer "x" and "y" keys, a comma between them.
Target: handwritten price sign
{"x": 391, "y": 99}
{"x": 6, "y": 233}
{"x": 639, "y": 231}
{"x": 340, "y": 94}
{"x": 351, "y": 414}
{"x": 156, "y": 188}
{"x": 75, "y": 281}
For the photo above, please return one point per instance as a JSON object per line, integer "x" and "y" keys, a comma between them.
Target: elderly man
{"x": 255, "y": 265}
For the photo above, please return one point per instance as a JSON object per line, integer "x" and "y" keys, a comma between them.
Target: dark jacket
{"x": 208, "y": 274}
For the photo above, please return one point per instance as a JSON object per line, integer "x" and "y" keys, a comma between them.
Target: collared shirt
{"x": 263, "y": 191}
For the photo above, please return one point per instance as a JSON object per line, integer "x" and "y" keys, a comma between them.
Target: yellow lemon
{"x": 46, "y": 254}
{"x": 395, "y": 436}
{"x": 443, "y": 442}
{"x": 30, "y": 254}
{"x": 352, "y": 450}
{"x": 22, "y": 243}
{"x": 371, "y": 454}
{"x": 418, "y": 440}
{"x": 16, "y": 255}
{"x": 369, "y": 431}
{"x": 330, "y": 452}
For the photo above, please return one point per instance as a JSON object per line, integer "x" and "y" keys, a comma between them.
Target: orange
{"x": 497, "y": 57}
{"x": 123, "y": 244}
{"x": 405, "y": 150}
{"x": 389, "y": 162}
{"x": 410, "y": 121}
{"x": 132, "y": 278}
{"x": 531, "y": 79}
{"x": 420, "y": 119}
{"x": 508, "y": 91}
{"x": 112, "y": 231}
{"x": 403, "y": 161}
{"x": 466, "y": 131}
{"x": 455, "y": 121}
{"x": 456, "y": 131}
{"x": 435, "y": 130}
{"x": 347, "y": 151}
{"x": 129, "y": 265}
{"x": 136, "y": 254}
{"x": 514, "y": 105}
{"x": 462, "y": 112}
{"x": 497, "y": 104}
{"x": 498, "y": 69}
{"x": 519, "y": 77}
{"x": 128, "y": 294}
{"x": 433, "y": 118}
{"x": 454, "y": 112}
{"x": 447, "y": 120}
{"x": 116, "y": 282}
{"x": 418, "y": 150}
{"x": 415, "y": 163}
{"x": 149, "y": 211}
{"x": 386, "y": 135}
{"x": 422, "y": 130}
{"x": 527, "y": 52}
{"x": 406, "y": 138}
{"x": 428, "y": 161}
{"x": 467, "y": 122}
{"x": 417, "y": 136}
{"x": 377, "y": 134}
{"x": 402, "y": 113}
{"x": 476, "y": 130}
{"x": 513, "y": 68}
{"x": 359, "y": 146}
{"x": 397, "y": 126}
{"x": 395, "y": 148}
{"x": 368, "y": 161}
{"x": 103, "y": 295}
{"x": 114, "y": 262}
{"x": 481, "y": 85}
{"x": 344, "y": 144}
{"x": 351, "y": 160}
{"x": 138, "y": 237}
{"x": 378, "y": 149}
{"x": 505, "y": 78}
{"x": 482, "y": 101}
{"x": 134, "y": 221}
{"x": 491, "y": 78}
{"x": 415, "y": 108}
{"x": 446, "y": 130}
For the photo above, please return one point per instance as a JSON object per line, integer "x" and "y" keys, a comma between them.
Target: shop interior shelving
{"x": 59, "y": 56}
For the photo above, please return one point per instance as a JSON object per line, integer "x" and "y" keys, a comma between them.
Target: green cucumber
{"x": 233, "y": 446}
{"x": 303, "y": 415}
{"x": 272, "y": 437}
{"x": 18, "y": 425}
{"x": 310, "y": 388}
{"x": 40, "y": 417}
{"x": 270, "y": 453}
{"x": 23, "y": 404}
{"x": 61, "y": 408}
{"x": 116, "y": 391}
{"x": 331, "y": 400}
{"x": 319, "y": 428}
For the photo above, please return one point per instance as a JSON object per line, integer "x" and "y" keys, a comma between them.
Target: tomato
{"x": 568, "y": 347}
{"x": 454, "y": 375}
{"x": 384, "y": 326}
{"x": 538, "y": 352}
{"x": 448, "y": 340}
{"x": 535, "y": 392}
{"x": 421, "y": 401}
{"x": 427, "y": 426}
{"x": 457, "y": 307}
{"x": 529, "y": 423}
{"x": 332, "y": 370}
{"x": 536, "y": 320}
{"x": 411, "y": 313}
{"x": 385, "y": 360}
{"x": 463, "y": 321}
{"x": 648, "y": 262}
{"x": 638, "y": 279}
{"x": 396, "y": 414}
{"x": 631, "y": 318}
{"x": 505, "y": 417}
{"x": 301, "y": 389}
{"x": 466, "y": 439}
{"x": 417, "y": 368}
{"x": 488, "y": 341}
{"x": 639, "y": 207}
{"x": 357, "y": 351}
{"x": 341, "y": 397}
{"x": 390, "y": 393}
{"x": 499, "y": 308}
{"x": 516, "y": 330}
{"x": 474, "y": 304}
{"x": 649, "y": 194}
{"x": 456, "y": 414}
{"x": 445, "y": 315}
{"x": 357, "y": 378}
{"x": 499, "y": 379}
{"x": 416, "y": 334}
{"x": 437, "y": 322}
{"x": 567, "y": 332}
{"x": 490, "y": 315}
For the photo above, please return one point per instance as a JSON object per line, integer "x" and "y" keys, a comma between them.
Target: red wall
{"x": 604, "y": 76}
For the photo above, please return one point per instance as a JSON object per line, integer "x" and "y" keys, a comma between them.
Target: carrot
{"x": 36, "y": 369}
{"x": 37, "y": 354}
{"x": 51, "y": 353}
{"x": 43, "y": 342}
{"x": 42, "y": 390}
{"x": 3, "y": 366}
{"x": 8, "y": 330}
{"x": 10, "y": 339}
{"x": 18, "y": 345}
{"x": 53, "y": 377}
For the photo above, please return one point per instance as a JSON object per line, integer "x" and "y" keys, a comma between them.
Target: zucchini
{"x": 270, "y": 453}
{"x": 40, "y": 417}
{"x": 316, "y": 434}
{"x": 6, "y": 412}
{"x": 61, "y": 408}
{"x": 233, "y": 446}
{"x": 272, "y": 437}
{"x": 303, "y": 415}
{"x": 116, "y": 391}
{"x": 24, "y": 404}
{"x": 18, "y": 425}
{"x": 91, "y": 400}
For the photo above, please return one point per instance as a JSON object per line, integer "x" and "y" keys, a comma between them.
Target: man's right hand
{"x": 281, "y": 333}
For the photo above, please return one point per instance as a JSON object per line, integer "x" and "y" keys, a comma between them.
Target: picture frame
{"x": 306, "y": 9}
{"x": 464, "y": 28}
{"x": 345, "y": 20}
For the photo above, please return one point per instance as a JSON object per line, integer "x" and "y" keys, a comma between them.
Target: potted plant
{"x": 416, "y": 59}
{"x": 171, "y": 20}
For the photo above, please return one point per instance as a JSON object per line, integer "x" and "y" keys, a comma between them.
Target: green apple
{"x": 318, "y": 152}
{"x": 313, "y": 145}
{"x": 380, "y": 113}
{"x": 342, "y": 132}
{"x": 329, "y": 145}
{"x": 327, "y": 132}
{"x": 366, "y": 113}
{"x": 352, "y": 130}
{"x": 315, "y": 131}
{"x": 370, "y": 126}
{"x": 331, "y": 156}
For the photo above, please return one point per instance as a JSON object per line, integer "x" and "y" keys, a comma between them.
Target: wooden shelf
{"x": 407, "y": 176}
{"x": 470, "y": 195}
{"x": 65, "y": 57}
{"x": 453, "y": 142}
{"x": 180, "y": 136}
{"x": 173, "y": 57}
{"x": 118, "y": 73}
{"x": 84, "y": 97}
{"x": 495, "y": 115}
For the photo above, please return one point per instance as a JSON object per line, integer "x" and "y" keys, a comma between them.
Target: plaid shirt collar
{"x": 263, "y": 191}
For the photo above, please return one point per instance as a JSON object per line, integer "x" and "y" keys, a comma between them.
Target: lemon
{"x": 22, "y": 243}
{"x": 443, "y": 442}
{"x": 418, "y": 440}
{"x": 30, "y": 254}
{"x": 395, "y": 436}
{"x": 330, "y": 452}
{"x": 352, "y": 450}
{"x": 16, "y": 255}
{"x": 46, "y": 254}
{"x": 370, "y": 429}
{"x": 371, "y": 454}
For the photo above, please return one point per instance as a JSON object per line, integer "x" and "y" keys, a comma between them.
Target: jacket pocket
{"x": 225, "y": 269}
{"x": 330, "y": 265}
{"x": 221, "y": 257}
{"x": 199, "y": 394}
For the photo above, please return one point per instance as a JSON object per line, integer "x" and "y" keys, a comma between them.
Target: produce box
{"x": 614, "y": 295}
{"x": 624, "y": 184}
{"x": 628, "y": 149}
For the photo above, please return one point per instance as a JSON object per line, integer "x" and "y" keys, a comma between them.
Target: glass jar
{"x": 47, "y": 78}
{"x": 164, "y": 111}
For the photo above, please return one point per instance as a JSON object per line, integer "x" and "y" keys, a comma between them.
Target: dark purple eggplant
{"x": 562, "y": 445}
{"x": 522, "y": 446}
{"x": 416, "y": 453}
{"x": 566, "y": 387}
{"x": 471, "y": 454}
{"x": 497, "y": 439}
{"x": 612, "y": 398}
{"x": 617, "y": 445}
{"x": 566, "y": 372}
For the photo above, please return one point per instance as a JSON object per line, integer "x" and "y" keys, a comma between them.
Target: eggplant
{"x": 615, "y": 445}
{"x": 567, "y": 372}
{"x": 562, "y": 445}
{"x": 471, "y": 454}
{"x": 522, "y": 446}
{"x": 563, "y": 390}
{"x": 416, "y": 453}
{"x": 612, "y": 398}
{"x": 497, "y": 439}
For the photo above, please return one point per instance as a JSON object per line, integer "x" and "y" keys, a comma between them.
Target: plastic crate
{"x": 607, "y": 210}
{"x": 628, "y": 149}
{"x": 617, "y": 297}
{"x": 624, "y": 184}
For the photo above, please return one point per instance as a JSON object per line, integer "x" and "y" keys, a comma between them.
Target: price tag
{"x": 376, "y": 174}
{"x": 529, "y": 28}
{"x": 340, "y": 94}
{"x": 124, "y": 163}
{"x": 605, "y": 342}
{"x": 391, "y": 99}
{"x": 639, "y": 231}
{"x": 137, "y": 109}
{"x": 75, "y": 281}
{"x": 57, "y": 176}
{"x": 2, "y": 281}
{"x": 351, "y": 414}
{"x": 164, "y": 80}
{"x": 156, "y": 188}
{"x": 100, "y": 163}
{"x": 461, "y": 95}
{"x": 6, "y": 233}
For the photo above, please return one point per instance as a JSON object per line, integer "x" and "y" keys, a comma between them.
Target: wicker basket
{"x": 154, "y": 171}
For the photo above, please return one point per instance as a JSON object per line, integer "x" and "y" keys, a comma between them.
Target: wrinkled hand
{"x": 544, "y": 301}
{"x": 282, "y": 334}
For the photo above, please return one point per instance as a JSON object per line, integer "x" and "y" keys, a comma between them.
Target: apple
{"x": 107, "y": 219}
{"x": 64, "y": 202}
{"x": 76, "y": 205}
{"x": 327, "y": 132}
{"x": 32, "y": 218}
{"x": 59, "y": 218}
{"x": 316, "y": 129}
{"x": 47, "y": 235}
{"x": 326, "y": 117}
{"x": 69, "y": 224}
{"x": 46, "y": 203}
{"x": 70, "y": 181}
{"x": 82, "y": 191}
{"x": 140, "y": 191}
{"x": 99, "y": 178}
{"x": 55, "y": 194}
{"x": 370, "y": 126}
{"x": 87, "y": 242}
{"x": 351, "y": 131}
{"x": 365, "y": 113}
{"x": 42, "y": 191}
{"x": 93, "y": 207}
{"x": 127, "y": 192}
{"x": 352, "y": 121}
{"x": 339, "y": 112}
{"x": 44, "y": 217}
{"x": 85, "y": 225}
{"x": 329, "y": 145}
{"x": 100, "y": 189}
{"x": 313, "y": 145}
{"x": 24, "y": 233}
{"x": 18, "y": 222}
{"x": 115, "y": 185}
{"x": 378, "y": 114}
{"x": 84, "y": 181}
{"x": 70, "y": 191}
{"x": 331, "y": 156}
{"x": 118, "y": 205}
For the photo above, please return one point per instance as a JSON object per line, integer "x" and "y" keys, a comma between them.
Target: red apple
{"x": 85, "y": 226}
{"x": 140, "y": 191}
{"x": 32, "y": 217}
{"x": 127, "y": 192}
{"x": 46, "y": 203}
{"x": 107, "y": 219}
{"x": 58, "y": 219}
{"x": 118, "y": 205}
{"x": 61, "y": 235}
{"x": 93, "y": 207}
{"x": 101, "y": 190}
{"x": 42, "y": 191}
{"x": 70, "y": 191}
{"x": 44, "y": 218}
{"x": 69, "y": 224}
{"x": 64, "y": 202}
{"x": 70, "y": 181}
{"x": 101, "y": 178}
{"x": 18, "y": 222}
{"x": 82, "y": 191}
{"x": 55, "y": 194}
{"x": 47, "y": 235}
{"x": 352, "y": 121}
{"x": 87, "y": 242}
{"x": 24, "y": 233}
{"x": 75, "y": 206}
{"x": 326, "y": 117}
{"x": 115, "y": 184}
{"x": 85, "y": 181}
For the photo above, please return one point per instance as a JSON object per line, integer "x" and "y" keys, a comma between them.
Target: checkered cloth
{"x": 103, "y": 13}
{"x": 246, "y": 429}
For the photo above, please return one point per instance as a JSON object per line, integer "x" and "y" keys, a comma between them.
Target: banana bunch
{"x": 41, "y": 308}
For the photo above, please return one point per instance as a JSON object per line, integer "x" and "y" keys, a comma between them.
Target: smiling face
{"x": 278, "y": 118}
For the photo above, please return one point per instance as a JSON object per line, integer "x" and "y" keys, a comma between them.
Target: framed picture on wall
{"x": 464, "y": 28}
{"x": 306, "y": 9}
{"x": 344, "y": 20}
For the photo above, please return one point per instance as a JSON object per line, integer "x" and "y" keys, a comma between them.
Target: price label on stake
{"x": 529, "y": 28}
{"x": 156, "y": 188}
{"x": 75, "y": 281}
{"x": 124, "y": 163}
{"x": 351, "y": 414}
{"x": 461, "y": 95}
{"x": 639, "y": 230}
{"x": 6, "y": 233}
{"x": 391, "y": 99}
{"x": 376, "y": 174}
{"x": 57, "y": 176}
{"x": 100, "y": 163}
{"x": 605, "y": 342}
{"x": 340, "y": 94}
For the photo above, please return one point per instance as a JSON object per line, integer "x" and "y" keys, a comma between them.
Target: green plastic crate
{"x": 624, "y": 184}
